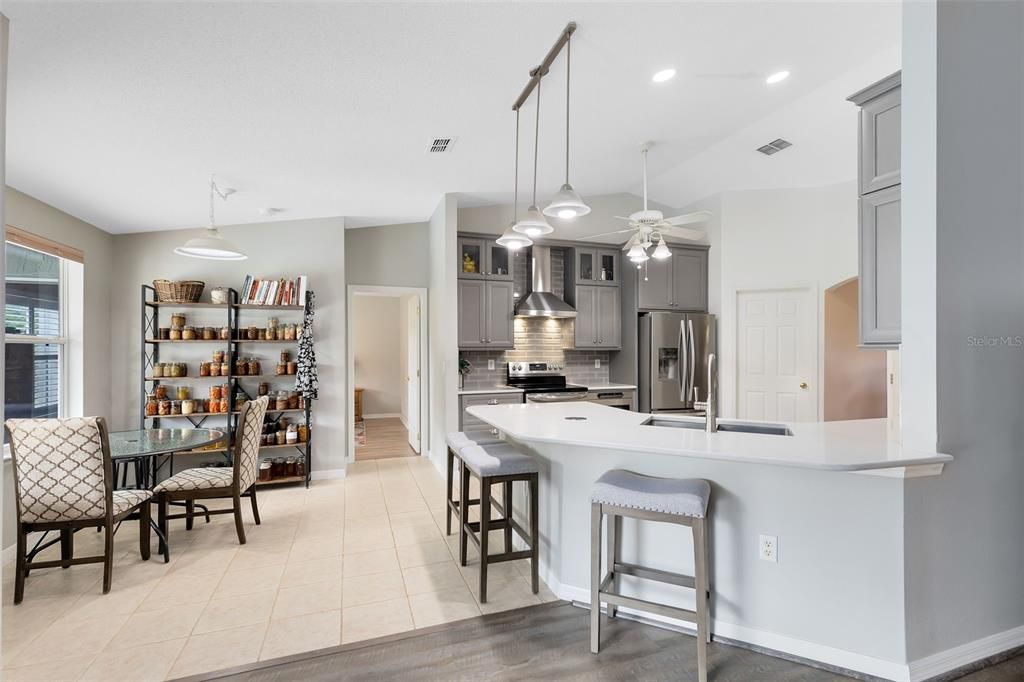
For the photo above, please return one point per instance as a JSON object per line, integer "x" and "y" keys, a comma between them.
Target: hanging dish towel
{"x": 305, "y": 378}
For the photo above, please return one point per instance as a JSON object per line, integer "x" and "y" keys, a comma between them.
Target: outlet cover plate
{"x": 490, "y": 364}
{"x": 768, "y": 548}
{"x": 597, "y": 364}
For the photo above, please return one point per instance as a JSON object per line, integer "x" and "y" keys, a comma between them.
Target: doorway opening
{"x": 855, "y": 378}
{"x": 387, "y": 372}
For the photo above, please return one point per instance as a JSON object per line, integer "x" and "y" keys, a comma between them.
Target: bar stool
{"x": 494, "y": 464}
{"x": 456, "y": 441}
{"x": 620, "y": 493}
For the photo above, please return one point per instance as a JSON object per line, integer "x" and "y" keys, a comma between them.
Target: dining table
{"x": 140, "y": 448}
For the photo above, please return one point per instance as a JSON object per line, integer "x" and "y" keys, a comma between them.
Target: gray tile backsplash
{"x": 540, "y": 339}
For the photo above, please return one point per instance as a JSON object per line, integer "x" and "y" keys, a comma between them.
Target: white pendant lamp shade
{"x": 637, "y": 254}
{"x": 534, "y": 224}
{"x": 211, "y": 246}
{"x": 513, "y": 240}
{"x": 567, "y": 204}
{"x": 661, "y": 250}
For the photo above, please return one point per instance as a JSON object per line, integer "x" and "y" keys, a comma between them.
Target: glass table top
{"x": 144, "y": 442}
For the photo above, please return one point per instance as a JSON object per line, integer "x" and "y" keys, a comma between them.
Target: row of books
{"x": 258, "y": 291}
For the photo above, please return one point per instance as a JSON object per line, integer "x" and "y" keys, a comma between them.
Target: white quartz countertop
{"x": 862, "y": 445}
{"x": 491, "y": 389}
{"x": 611, "y": 387}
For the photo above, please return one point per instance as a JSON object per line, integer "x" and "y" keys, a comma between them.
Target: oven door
{"x": 555, "y": 397}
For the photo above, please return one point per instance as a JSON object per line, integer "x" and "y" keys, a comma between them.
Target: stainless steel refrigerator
{"x": 673, "y": 353}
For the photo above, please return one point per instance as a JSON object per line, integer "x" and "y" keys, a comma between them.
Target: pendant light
{"x": 637, "y": 254}
{"x": 567, "y": 204}
{"x": 511, "y": 239}
{"x": 661, "y": 251}
{"x": 534, "y": 224}
{"x": 212, "y": 246}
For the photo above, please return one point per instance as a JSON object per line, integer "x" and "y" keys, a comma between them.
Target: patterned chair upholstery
{"x": 219, "y": 482}
{"x": 63, "y": 482}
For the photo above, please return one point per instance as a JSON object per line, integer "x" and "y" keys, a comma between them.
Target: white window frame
{"x": 62, "y": 340}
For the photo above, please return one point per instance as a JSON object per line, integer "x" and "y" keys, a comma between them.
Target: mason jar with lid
{"x": 184, "y": 393}
{"x": 188, "y": 406}
{"x": 225, "y": 333}
{"x": 175, "y": 407}
{"x": 152, "y": 408}
{"x": 204, "y": 369}
{"x": 188, "y": 334}
{"x": 158, "y": 370}
{"x": 163, "y": 407}
{"x": 160, "y": 391}
{"x": 178, "y": 320}
{"x": 209, "y": 333}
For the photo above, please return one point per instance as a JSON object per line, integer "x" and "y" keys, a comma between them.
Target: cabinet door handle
{"x": 492, "y": 401}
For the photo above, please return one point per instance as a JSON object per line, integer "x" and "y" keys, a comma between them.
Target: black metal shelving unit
{"x": 150, "y": 354}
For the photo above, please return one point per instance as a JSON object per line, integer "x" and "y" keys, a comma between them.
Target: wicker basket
{"x": 187, "y": 291}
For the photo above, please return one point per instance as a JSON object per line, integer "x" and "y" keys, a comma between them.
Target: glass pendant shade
{"x": 567, "y": 204}
{"x": 534, "y": 224}
{"x": 210, "y": 247}
{"x": 513, "y": 240}
{"x": 662, "y": 250}
{"x": 637, "y": 254}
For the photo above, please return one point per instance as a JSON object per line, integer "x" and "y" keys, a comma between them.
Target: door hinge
{"x": 417, "y": 374}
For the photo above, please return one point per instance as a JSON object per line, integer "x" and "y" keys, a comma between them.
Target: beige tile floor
{"x": 343, "y": 561}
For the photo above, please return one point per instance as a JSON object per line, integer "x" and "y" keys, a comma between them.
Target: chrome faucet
{"x": 710, "y": 406}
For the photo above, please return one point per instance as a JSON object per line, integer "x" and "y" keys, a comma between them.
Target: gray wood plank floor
{"x": 549, "y": 642}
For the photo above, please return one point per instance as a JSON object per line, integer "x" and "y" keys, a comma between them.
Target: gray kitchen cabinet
{"x": 598, "y": 323}
{"x": 597, "y": 266}
{"x": 472, "y": 313}
{"x": 880, "y": 288}
{"x": 472, "y": 258}
{"x": 679, "y": 283}
{"x": 498, "y": 264}
{"x": 879, "y": 134}
{"x": 485, "y": 314}
{"x": 499, "y": 332}
{"x": 473, "y": 427}
{"x": 879, "y": 229}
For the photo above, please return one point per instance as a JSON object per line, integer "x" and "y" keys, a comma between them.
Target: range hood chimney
{"x": 540, "y": 302}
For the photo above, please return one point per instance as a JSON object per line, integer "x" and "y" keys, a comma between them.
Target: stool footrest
{"x": 643, "y": 604}
{"x": 654, "y": 574}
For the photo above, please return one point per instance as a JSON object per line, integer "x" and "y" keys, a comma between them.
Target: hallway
{"x": 385, "y": 438}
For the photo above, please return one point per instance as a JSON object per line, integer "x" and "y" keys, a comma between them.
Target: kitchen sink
{"x": 764, "y": 429}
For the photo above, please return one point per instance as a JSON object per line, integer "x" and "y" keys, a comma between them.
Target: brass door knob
{"x": 803, "y": 384}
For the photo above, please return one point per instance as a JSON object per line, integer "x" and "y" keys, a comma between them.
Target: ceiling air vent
{"x": 774, "y": 146}
{"x": 440, "y": 145}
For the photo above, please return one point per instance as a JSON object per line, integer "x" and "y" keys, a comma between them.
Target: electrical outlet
{"x": 597, "y": 364}
{"x": 768, "y": 548}
{"x": 490, "y": 364}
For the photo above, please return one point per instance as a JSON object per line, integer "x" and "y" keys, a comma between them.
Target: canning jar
{"x": 209, "y": 333}
{"x": 178, "y": 320}
{"x": 225, "y": 369}
{"x": 175, "y": 407}
{"x": 160, "y": 391}
{"x": 289, "y": 466}
{"x": 281, "y": 369}
{"x": 225, "y": 333}
{"x": 281, "y": 402}
{"x": 163, "y": 407}
{"x": 151, "y": 405}
{"x": 218, "y": 356}
{"x": 265, "y": 467}
{"x": 204, "y": 369}
{"x": 188, "y": 406}
{"x": 281, "y": 436}
{"x": 252, "y": 333}
{"x": 264, "y": 388}
{"x": 158, "y": 370}
{"x": 184, "y": 393}
{"x": 292, "y": 367}
{"x": 188, "y": 334}
{"x": 164, "y": 333}
{"x": 174, "y": 334}
{"x": 254, "y": 367}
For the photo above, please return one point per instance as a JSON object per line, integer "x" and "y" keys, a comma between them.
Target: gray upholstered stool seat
{"x": 459, "y": 439}
{"x": 682, "y": 496}
{"x": 499, "y": 459}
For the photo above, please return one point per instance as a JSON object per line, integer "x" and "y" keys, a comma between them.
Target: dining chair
{"x": 64, "y": 482}
{"x": 235, "y": 482}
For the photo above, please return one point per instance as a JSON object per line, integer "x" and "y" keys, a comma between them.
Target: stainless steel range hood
{"x": 540, "y": 302}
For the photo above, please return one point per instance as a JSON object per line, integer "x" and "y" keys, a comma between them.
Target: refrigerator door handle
{"x": 692, "y": 356}
{"x": 683, "y": 363}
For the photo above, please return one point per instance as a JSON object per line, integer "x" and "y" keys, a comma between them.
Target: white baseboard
{"x": 405, "y": 424}
{"x": 965, "y": 654}
{"x": 326, "y": 474}
{"x": 383, "y": 415}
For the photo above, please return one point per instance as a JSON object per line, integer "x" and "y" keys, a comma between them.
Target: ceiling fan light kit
{"x": 661, "y": 251}
{"x": 212, "y": 246}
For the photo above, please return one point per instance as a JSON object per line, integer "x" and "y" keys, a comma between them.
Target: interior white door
{"x": 777, "y": 351}
{"x": 413, "y": 380}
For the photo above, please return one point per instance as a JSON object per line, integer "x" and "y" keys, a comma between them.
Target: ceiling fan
{"x": 650, "y": 226}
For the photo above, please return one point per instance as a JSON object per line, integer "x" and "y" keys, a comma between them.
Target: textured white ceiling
{"x": 118, "y": 112}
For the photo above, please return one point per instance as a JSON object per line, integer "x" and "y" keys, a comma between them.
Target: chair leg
{"x": 19, "y": 577}
{"x": 190, "y": 513}
{"x": 448, "y": 493}
{"x": 485, "y": 528}
{"x": 595, "y": 578}
{"x": 506, "y": 503}
{"x": 700, "y": 583}
{"x": 165, "y": 540}
{"x": 108, "y": 556}
{"x": 534, "y": 533}
{"x": 239, "y": 528}
{"x": 463, "y": 510}
{"x": 67, "y": 547}
{"x": 614, "y": 551}
{"x": 255, "y": 509}
{"x": 144, "y": 520}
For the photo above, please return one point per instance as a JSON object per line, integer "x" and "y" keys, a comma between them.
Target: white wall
{"x": 763, "y": 239}
{"x": 388, "y": 255}
{"x": 378, "y": 355}
{"x": 443, "y": 352}
{"x": 403, "y": 354}
{"x": 276, "y": 249}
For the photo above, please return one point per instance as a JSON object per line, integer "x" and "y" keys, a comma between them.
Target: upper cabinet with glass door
{"x": 597, "y": 266}
{"x": 481, "y": 258}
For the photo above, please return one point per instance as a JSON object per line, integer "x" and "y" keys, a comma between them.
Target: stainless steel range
{"x": 543, "y": 382}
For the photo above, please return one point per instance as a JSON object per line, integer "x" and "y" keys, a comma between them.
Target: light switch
{"x": 597, "y": 363}
{"x": 490, "y": 364}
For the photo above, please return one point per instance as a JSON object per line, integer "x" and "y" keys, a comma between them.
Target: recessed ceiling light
{"x": 663, "y": 75}
{"x": 777, "y": 77}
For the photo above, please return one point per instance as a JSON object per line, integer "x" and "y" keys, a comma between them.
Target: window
{"x": 35, "y": 325}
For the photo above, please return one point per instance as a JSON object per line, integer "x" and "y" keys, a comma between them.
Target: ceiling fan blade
{"x": 683, "y": 232}
{"x": 622, "y": 217}
{"x": 606, "y": 234}
{"x": 687, "y": 218}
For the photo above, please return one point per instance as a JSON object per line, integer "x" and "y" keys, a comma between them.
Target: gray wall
{"x": 389, "y": 255}
{"x": 964, "y": 540}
